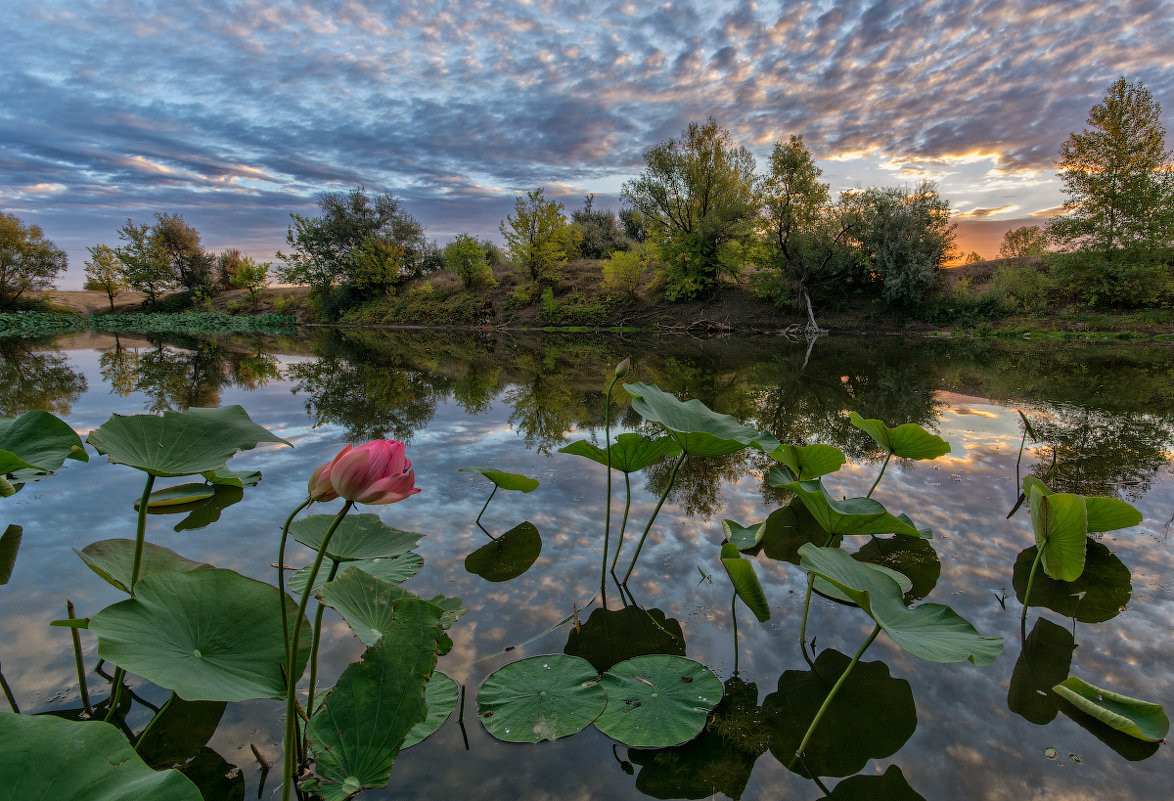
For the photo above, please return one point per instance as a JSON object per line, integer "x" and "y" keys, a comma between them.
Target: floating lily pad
{"x": 908, "y": 441}
{"x": 45, "y": 757}
{"x": 610, "y": 636}
{"x": 932, "y": 632}
{"x": 179, "y": 443}
{"x": 366, "y": 603}
{"x": 37, "y": 442}
{"x": 629, "y": 453}
{"x": 1043, "y": 663}
{"x": 9, "y": 545}
{"x": 506, "y": 481}
{"x": 362, "y": 536}
{"x": 441, "y": 696}
{"x": 177, "y": 496}
{"x": 657, "y": 701}
{"x": 113, "y": 560}
{"x": 508, "y": 556}
{"x": 205, "y": 513}
{"x": 696, "y": 428}
{"x": 1142, "y": 720}
{"x": 806, "y": 462}
{"x": 209, "y": 635}
{"x": 912, "y": 557}
{"x": 233, "y": 478}
{"x": 392, "y": 569}
{"x": 179, "y": 731}
{"x": 745, "y": 581}
{"x": 872, "y": 716}
{"x": 1101, "y": 592}
{"x": 540, "y": 698}
{"x": 356, "y": 734}
{"x": 852, "y": 516}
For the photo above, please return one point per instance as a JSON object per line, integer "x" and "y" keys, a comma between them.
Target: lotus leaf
{"x": 629, "y": 453}
{"x": 9, "y": 545}
{"x": 540, "y": 698}
{"x": 908, "y": 441}
{"x": 610, "y": 636}
{"x": 508, "y": 556}
{"x": 356, "y": 734}
{"x": 1101, "y": 593}
{"x": 179, "y": 443}
{"x": 37, "y": 442}
{"x": 808, "y": 461}
{"x": 744, "y": 537}
{"x": 657, "y": 701}
{"x": 506, "y": 481}
{"x": 45, "y": 757}
{"x": 1143, "y": 720}
{"x": 179, "y": 731}
{"x": 913, "y": 557}
{"x": 392, "y": 569}
{"x": 441, "y": 696}
{"x": 696, "y": 428}
{"x": 177, "y": 496}
{"x": 745, "y": 581}
{"x": 357, "y": 537}
{"x": 853, "y": 516}
{"x": 1060, "y": 522}
{"x": 1043, "y": 663}
{"x": 366, "y": 603}
{"x": 209, "y": 635}
{"x": 205, "y": 513}
{"x": 932, "y": 632}
{"x": 113, "y": 560}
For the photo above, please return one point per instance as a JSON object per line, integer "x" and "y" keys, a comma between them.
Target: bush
{"x": 466, "y": 257}
{"x": 624, "y": 272}
{"x": 1129, "y": 279}
{"x": 1023, "y": 289}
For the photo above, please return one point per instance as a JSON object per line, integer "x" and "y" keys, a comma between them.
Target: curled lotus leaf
{"x": 699, "y": 430}
{"x": 506, "y": 481}
{"x": 629, "y": 453}
{"x": 806, "y": 462}
{"x": 907, "y": 441}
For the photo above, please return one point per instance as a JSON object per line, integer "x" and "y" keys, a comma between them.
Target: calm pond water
{"x": 509, "y": 402}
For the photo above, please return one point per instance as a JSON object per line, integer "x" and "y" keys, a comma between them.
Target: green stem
{"x": 334, "y": 563}
{"x": 8, "y": 693}
{"x": 734, "y": 617}
{"x": 77, "y": 659}
{"x": 624, "y": 524}
{"x": 1039, "y": 552}
{"x": 141, "y": 534}
{"x": 655, "y": 512}
{"x": 806, "y": 609}
{"x": 147, "y": 729}
{"x": 281, "y": 572}
{"x": 827, "y": 702}
{"x": 878, "y": 477}
{"x": 115, "y": 692}
{"x": 290, "y": 678}
{"x": 607, "y": 514}
{"x": 483, "y": 508}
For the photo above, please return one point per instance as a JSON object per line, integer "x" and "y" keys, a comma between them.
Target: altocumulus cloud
{"x": 237, "y": 113}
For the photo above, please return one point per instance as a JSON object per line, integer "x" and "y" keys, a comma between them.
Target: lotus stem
{"x": 140, "y": 534}
{"x": 115, "y": 692}
{"x": 8, "y": 693}
{"x": 827, "y": 702}
{"x": 281, "y": 572}
{"x": 1039, "y": 552}
{"x": 291, "y": 680}
{"x": 655, "y": 512}
{"x": 878, "y": 477}
{"x": 734, "y": 617}
{"x": 150, "y": 725}
{"x": 483, "y": 508}
{"x": 334, "y": 563}
{"x": 607, "y": 513}
{"x": 803, "y": 625}
{"x": 77, "y": 659}
{"x": 624, "y": 524}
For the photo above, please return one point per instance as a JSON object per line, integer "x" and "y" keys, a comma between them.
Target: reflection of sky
{"x": 967, "y": 744}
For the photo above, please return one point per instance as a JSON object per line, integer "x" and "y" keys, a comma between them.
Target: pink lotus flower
{"x": 320, "y": 488}
{"x": 374, "y": 473}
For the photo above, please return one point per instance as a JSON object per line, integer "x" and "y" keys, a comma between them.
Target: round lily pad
{"x": 658, "y": 700}
{"x": 441, "y": 696}
{"x": 540, "y": 698}
{"x": 508, "y": 556}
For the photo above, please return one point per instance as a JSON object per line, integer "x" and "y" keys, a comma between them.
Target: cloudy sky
{"x": 235, "y": 114}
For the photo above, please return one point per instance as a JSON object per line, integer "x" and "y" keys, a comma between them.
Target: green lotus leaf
{"x": 871, "y": 716}
{"x": 205, "y": 513}
{"x": 215, "y": 777}
{"x": 9, "y": 545}
{"x": 657, "y": 701}
{"x": 179, "y": 443}
{"x": 540, "y": 698}
{"x": 1060, "y": 522}
{"x": 790, "y": 528}
{"x": 853, "y": 516}
{"x": 177, "y": 496}
{"x": 808, "y": 461}
{"x": 745, "y": 581}
{"x": 1101, "y": 593}
{"x": 908, "y": 441}
{"x": 1143, "y": 720}
{"x": 1109, "y": 514}
{"x": 507, "y": 481}
{"x": 699, "y": 430}
{"x": 912, "y": 557}
{"x": 744, "y": 537}
{"x": 508, "y": 556}
{"x": 609, "y": 636}
{"x": 1044, "y": 662}
{"x": 367, "y": 603}
{"x": 209, "y": 635}
{"x": 37, "y": 442}
{"x": 113, "y": 560}
{"x": 932, "y": 632}
{"x": 889, "y": 786}
{"x": 441, "y": 696}
{"x": 357, "y": 537}
{"x": 356, "y": 734}
{"x": 392, "y": 569}
{"x": 233, "y": 478}
{"x": 629, "y": 453}
{"x": 829, "y": 590}
{"x": 45, "y": 757}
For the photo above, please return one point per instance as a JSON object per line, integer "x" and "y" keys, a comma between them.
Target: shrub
{"x": 1129, "y": 279}
{"x": 1023, "y": 289}
{"x": 466, "y": 257}
{"x": 624, "y": 272}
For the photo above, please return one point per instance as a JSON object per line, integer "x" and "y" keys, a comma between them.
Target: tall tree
{"x": 538, "y": 237}
{"x": 698, "y": 195}
{"x": 1028, "y": 240}
{"x": 28, "y": 260}
{"x": 466, "y": 257}
{"x": 145, "y": 263}
{"x": 1117, "y": 176}
{"x": 906, "y": 236}
{"x": 191, "y": 266}
{"x": 104, "y": 272}
{"x": 603, "y": 234}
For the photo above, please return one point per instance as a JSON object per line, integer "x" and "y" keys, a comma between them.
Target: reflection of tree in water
{"x": 36, "y": 380}
{"x": 697, "y": 490}
{"x": 475, "y": 390}
{"x": 1101, "y": 454}
{"x": 544, "y": 410}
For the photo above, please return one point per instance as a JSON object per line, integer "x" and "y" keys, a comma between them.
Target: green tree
{"x": 1029, "y": 240}
{"x": 625, "y": 270}
{"x": 104, "y": 272}
{"x": 145, "y": 263}
{"x": 906, "y": 236}
{"x": 251, "y": 276}
{"x": 603, "y": 233}
{"x": 538, "y": 237}
{"x": 465, "y": 256}
{"x": 28, "y": 261}
{"x": 698, "y": 195}
{"x": 1117, "y": 176}
{"x": 973, "y": 257}
{"x": 191, "y": 267}
{"x": 358, "y": 240}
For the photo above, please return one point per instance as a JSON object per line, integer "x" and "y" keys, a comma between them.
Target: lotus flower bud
{"x": 622, "y": 367}
{"x": 320, "y": 487}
